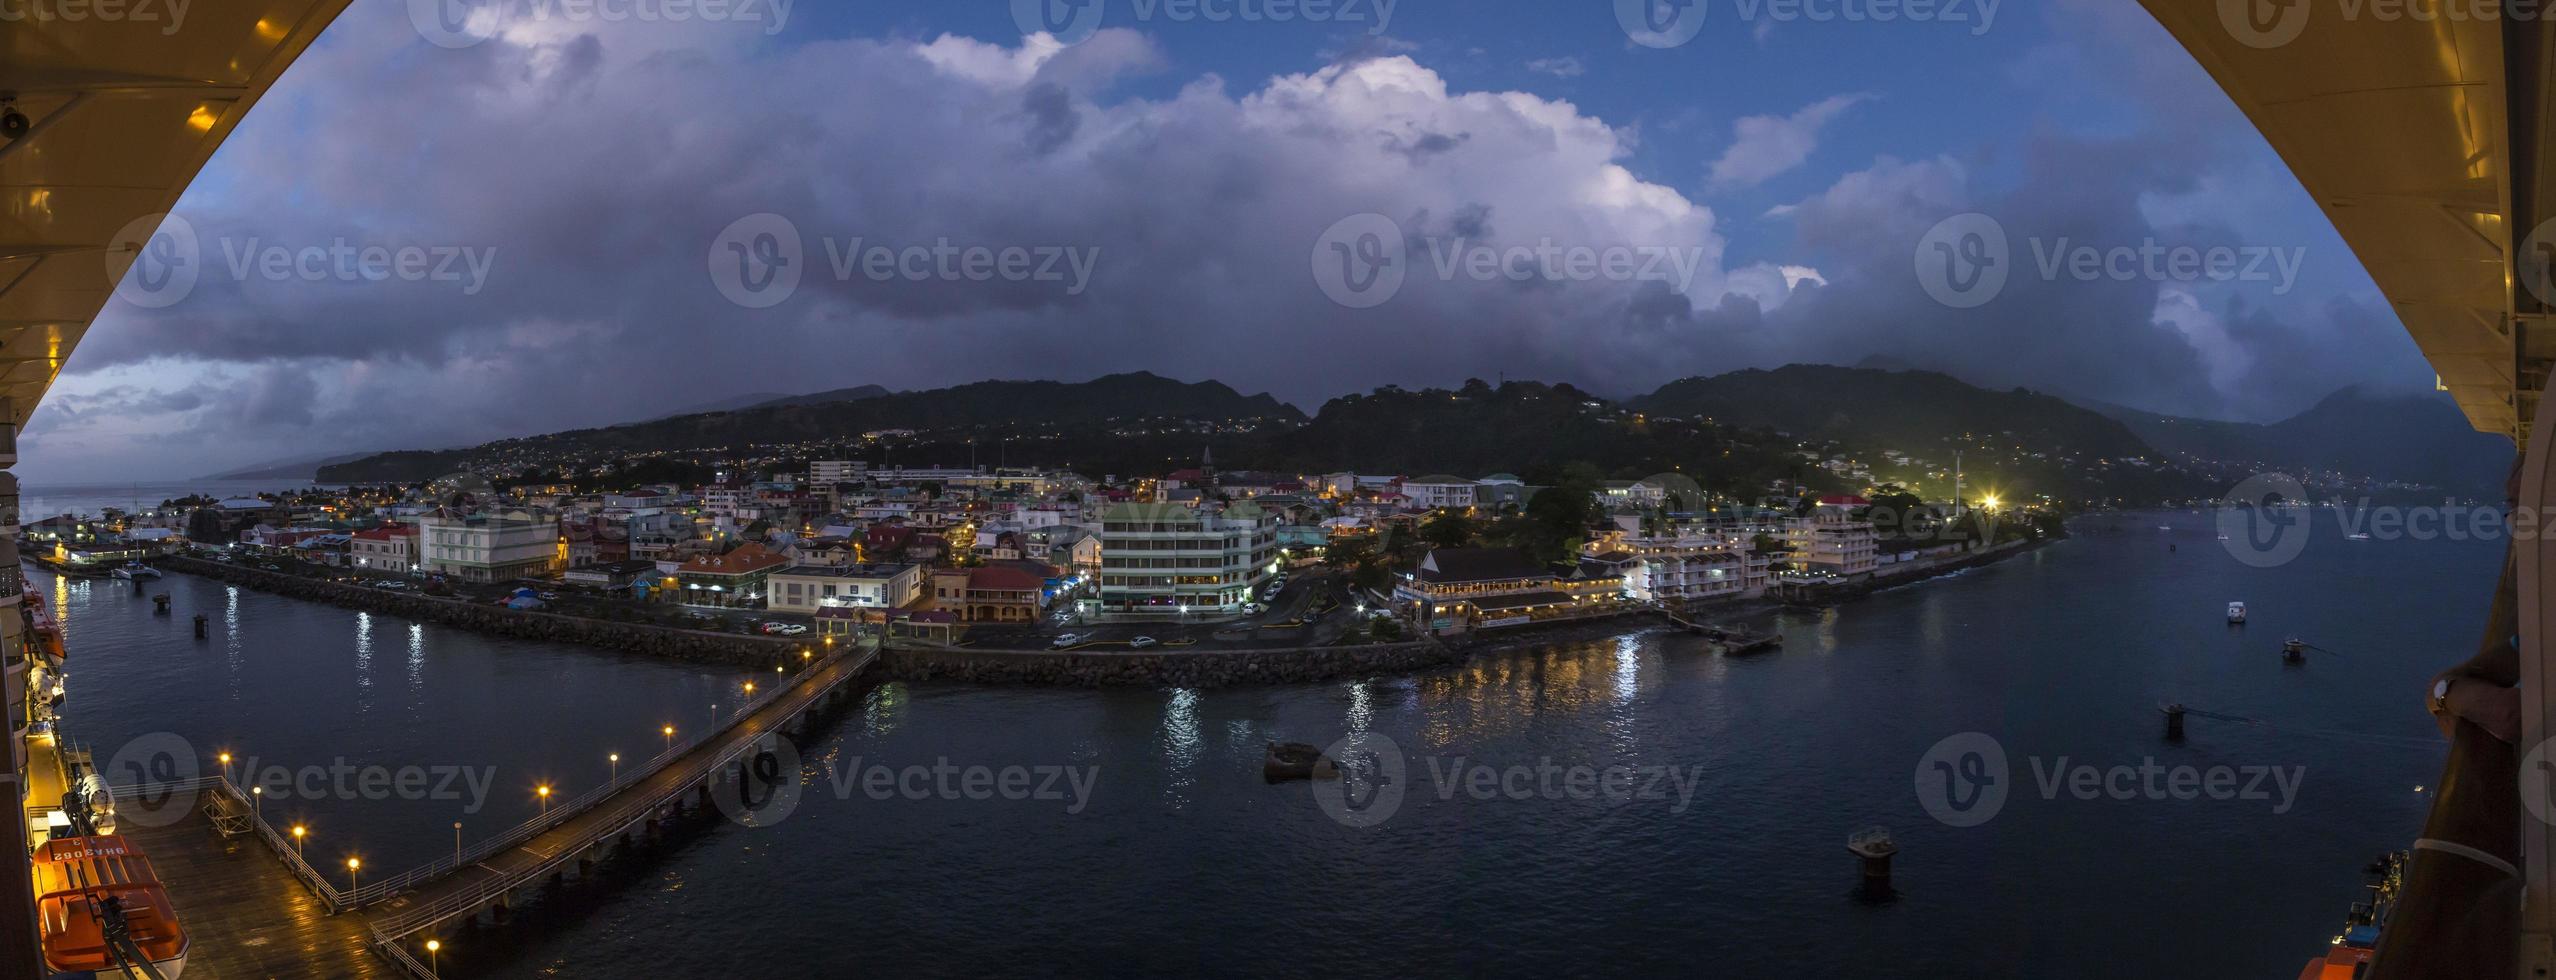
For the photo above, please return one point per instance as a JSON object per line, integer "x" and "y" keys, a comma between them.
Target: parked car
{"x": 773, "y": 628}
{"x": 792, "y": 629}
{"x": 1142, "y": 642}
{"x": 1254, "y": 609}
{"x": 547, "y": 596}
{"x": 1064, "y": 640}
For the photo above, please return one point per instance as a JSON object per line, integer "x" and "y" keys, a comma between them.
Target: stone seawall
{"x": 694, "y": 646}
{"x": 1210, "y": 668}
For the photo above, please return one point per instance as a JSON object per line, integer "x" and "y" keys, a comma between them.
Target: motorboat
{"x": 135, "y": 572}
{"x": 2236, "y": 613}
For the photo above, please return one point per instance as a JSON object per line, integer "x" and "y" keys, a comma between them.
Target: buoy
{"x": 1874, "y": 847}
{"x": 160, "y": 603}
{"x": 2174, "y": 722}
{"x": 199, "y": 626}
{"x": 2294, "y": 650}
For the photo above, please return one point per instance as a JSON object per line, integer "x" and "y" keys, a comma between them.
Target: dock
{"x": 252, "y": 907}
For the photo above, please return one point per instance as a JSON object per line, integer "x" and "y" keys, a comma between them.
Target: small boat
{"x": 135, "y": 571}
{"x": 2363, "y": 536}
{"x": 1296, "y": 760}
{"x": 2236, "y": 613}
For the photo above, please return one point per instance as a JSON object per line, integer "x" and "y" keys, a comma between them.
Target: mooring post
{"x": 2174, "y": 722}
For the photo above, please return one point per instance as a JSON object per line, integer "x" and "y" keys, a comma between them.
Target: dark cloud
{"x": 596, "y": 170}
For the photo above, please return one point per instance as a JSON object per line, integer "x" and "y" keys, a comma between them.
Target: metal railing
{"x": 389, "y": 930}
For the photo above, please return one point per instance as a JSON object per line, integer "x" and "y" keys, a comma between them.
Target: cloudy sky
{"x": 437, "y": 232}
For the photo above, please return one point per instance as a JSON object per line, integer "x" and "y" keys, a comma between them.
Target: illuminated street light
{"x": 353, "y": 865}
{"x": 298, "y": 832}
{"x": 257, "y": 798}
{"x": 616, "y": 766}
{"x": 544, "y": 792}
{"x": 433, "y": 947}
{"x": 669, "y": 732}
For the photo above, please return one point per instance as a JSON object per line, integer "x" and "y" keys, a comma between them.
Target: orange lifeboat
{"x": 77, "y": 881}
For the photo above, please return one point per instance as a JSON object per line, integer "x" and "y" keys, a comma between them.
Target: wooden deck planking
{"x": 245, "y": 915}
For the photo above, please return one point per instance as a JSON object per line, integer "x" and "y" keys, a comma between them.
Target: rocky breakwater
{"x": 1205, "y": 668}
{"x": 654, "y": 641}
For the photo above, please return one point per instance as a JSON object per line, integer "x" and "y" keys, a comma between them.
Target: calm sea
{"x": 1176, "y": 858}
{"x": 39, "y": 501}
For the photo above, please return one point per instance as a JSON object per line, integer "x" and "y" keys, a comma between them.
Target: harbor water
{"x": 946, "y": 829}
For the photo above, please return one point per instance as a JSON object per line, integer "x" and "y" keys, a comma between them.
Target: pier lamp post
{"x": 226, "y": 766}
{"x": 354, "y": 865}
{"x": 257, "y": 802}
{"x": 298, "y": 832}
{"x": 669, "y": 733}
{"x": 543, "y": 791}
{"x": 434, "y": 947}
{"x": 749, "y": 691}
{"x": 457, "y": 843}
{"x": 616, "y": 766}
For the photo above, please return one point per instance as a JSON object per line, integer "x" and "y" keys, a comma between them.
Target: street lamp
{"x": 298, "y": 831}
{"x": 257, "y": 798}
{"x": 616, "y": 767}
{"x": 433, "y": 947}
{"x": 456, "y": 843}
{"x": 544, "y": 792}
{"x": 353, "y": 865}
{"x": 669, "y": 732}
{"x": 226, "y": 765}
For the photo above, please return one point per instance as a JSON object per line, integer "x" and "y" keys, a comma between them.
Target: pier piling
{"x": 1873, "y": 847}
{"x": 2173, "y": 722}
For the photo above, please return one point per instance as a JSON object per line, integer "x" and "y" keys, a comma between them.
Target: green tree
{"x": 1449, "y": 529}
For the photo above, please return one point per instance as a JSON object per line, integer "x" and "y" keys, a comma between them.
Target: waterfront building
{"x": 1831, "y": 543}
{"x": 488, "y": 547}
{"x": 1460, "y": 589}
{"x": 808, "y": 588}
{"x": 1691, "y": 563}
{"x": 737, "y": 578}
{"x": 1007, "y": 592}
{"x": 1161, "y": 560}
{"x": 390, "y": 549}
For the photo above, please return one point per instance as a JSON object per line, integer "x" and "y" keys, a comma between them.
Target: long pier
{"x": 395, "y": 914}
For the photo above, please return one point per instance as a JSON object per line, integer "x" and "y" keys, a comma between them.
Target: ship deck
{"x": 245, "y": 916}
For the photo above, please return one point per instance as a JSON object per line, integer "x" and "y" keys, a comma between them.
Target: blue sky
{"x": 581, "y": 179}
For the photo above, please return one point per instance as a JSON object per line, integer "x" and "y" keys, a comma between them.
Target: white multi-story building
{"x": 1166, "y": 560}
{"x": 487, "y": 547}
{"x": 1689, "y": 565}
{"x": 806, "y": 588}
{"x": 1439, "y": 491}
{"x": 830, "y": 471}
{"x": 1830, "y": 543}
